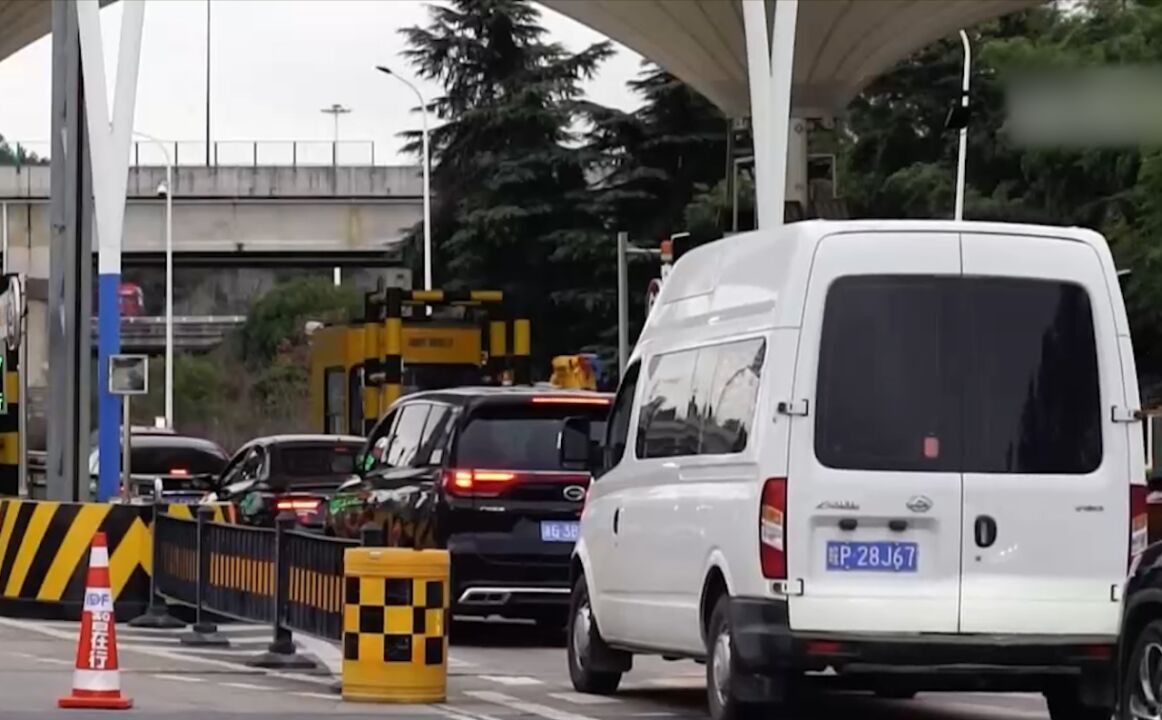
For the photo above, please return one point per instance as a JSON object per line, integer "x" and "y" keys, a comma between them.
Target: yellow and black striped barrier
{"x": 44, "y": 548}
{"x": 395, "y": 625}
{"x": 10, "y": 426}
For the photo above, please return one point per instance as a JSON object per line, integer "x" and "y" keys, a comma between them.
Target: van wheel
{"x": 721, "y": 672}
{"x": 583, "y": 642}
{"x": 1141, "y": 691}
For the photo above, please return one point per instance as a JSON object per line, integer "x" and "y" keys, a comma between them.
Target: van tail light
{"x": 1139, "y": 521}
{"x": 773, "y": 529}
{"x": 297, "y": 505}
{"x": 477, "y": 482}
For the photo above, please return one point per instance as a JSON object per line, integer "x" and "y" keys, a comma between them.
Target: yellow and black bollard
{"x": 395, "y": 625}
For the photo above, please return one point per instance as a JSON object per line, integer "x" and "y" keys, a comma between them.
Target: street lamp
{"x": 167, "y": 190}
{"x": 427, "y": 177}
{"x": 335, "y": 111}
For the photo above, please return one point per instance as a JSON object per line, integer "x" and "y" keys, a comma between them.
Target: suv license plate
{"x": 872, "y": 556}
{"x": 557, "y": 531}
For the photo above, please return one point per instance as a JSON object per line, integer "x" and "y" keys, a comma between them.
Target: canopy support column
{"x": 770, "y": 65}
{"x": 109, "y": 138}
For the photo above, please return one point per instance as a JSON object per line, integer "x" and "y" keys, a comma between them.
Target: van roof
{"x": 742, "y": 276}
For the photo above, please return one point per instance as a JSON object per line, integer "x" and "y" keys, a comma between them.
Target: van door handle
{"x": 848, "y": 524}
{"x": 897, "y": 525}
{"x": 616, "y": 517}
{"x": 984, "y": 531}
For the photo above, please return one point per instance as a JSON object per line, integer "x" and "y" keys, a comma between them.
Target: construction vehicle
{"x": 411, "y": 340}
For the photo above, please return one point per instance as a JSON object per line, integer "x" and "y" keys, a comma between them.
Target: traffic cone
{"x": 96, "y": 680}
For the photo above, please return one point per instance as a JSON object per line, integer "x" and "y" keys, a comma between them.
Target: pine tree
{"x": 511, "y": 210}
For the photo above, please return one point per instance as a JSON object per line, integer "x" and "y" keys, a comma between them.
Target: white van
{"x": 907, "y": 451}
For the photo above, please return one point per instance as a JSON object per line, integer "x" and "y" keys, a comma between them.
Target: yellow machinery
{"x": 575, "y": 372}
{"x": 359, "y": 369}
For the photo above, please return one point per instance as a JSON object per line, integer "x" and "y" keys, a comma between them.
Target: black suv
{"x": 477, "y": 471}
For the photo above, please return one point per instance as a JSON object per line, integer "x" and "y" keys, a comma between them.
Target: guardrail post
{"x": 157, "y": 615}
{"x": 203, "y": 633}
{"x": 281, "y": 654}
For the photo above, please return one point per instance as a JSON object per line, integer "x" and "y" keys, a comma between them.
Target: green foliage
{"x": 279, "y": 316}
{"x": 17, "y": 154}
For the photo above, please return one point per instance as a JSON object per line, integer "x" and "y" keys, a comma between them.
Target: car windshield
{"x": 521, "y": 437}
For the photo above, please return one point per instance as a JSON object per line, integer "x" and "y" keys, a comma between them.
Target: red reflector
{"x": 1098, "y": 652}
{"x": 566, "y": 400}
{"x": 773, "y": 529}
{"x": 1139, "y": 521}
{"x": 823, "y": 647}
{"x": 297, "y": 505}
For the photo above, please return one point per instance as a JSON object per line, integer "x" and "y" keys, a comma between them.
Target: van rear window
{"x": 985, "y": 375}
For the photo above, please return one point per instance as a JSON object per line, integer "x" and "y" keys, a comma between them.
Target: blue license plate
{"x": 560, "y": 531}
{"x": 872, "y": 556}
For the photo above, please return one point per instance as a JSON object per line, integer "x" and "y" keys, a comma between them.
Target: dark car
{"x": 476, "y": 471}
{"x": 287, "y": 473}
{"x": 187, "y": 466}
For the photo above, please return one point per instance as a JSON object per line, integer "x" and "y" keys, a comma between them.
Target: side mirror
{"x": 574, "y": 446}
{"x": 360, "y": 460}
{"x": 1154, "y": 483}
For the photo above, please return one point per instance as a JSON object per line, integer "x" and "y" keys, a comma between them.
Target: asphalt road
{"x": 496, "y": 672}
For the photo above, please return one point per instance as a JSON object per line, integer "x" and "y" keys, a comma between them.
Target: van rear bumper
{"x": 765, "y": 645}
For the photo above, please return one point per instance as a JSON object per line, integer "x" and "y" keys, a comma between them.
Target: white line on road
{"x": 514, "y": 680}
{"x": 582, "y": 699}
{"x": 993, "y": 711}
{"x": 247, "y": 686}
{"x": 179, "y": 678}
{"x": 528, "y": 708}
{"x": 318, "y": 696}
{"x": 54, "y": 661}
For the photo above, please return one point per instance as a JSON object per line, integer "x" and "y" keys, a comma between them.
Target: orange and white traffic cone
{"x": 97, "y": 681}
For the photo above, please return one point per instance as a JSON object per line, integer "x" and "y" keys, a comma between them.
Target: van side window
{"x": 617, "y": 429}
{"x": 666, "y": 428}
{"x": 982, "y": 375}
{"x": 733, "y": 395}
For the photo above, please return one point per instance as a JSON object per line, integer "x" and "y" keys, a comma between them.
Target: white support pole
{"x": 758, "y": 61}
{"x": 797, "y": 162}
{"x": 962, "y": 152}
{"x": 109, "y": 154}
{"x": 770, "y": 66}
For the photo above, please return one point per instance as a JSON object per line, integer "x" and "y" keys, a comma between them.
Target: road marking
{"x": 318, "y": 696}
{"x": 691, "y": 682}
{"x": 54, "y": 661}
{"x": 514, "y": 680}
{"x": 180, "y": 678}
{"x": 993, "y": 710}
{"x": 582, "y": 699}
{"x": 529, "y": 708}
{"x": 247, "y": 686}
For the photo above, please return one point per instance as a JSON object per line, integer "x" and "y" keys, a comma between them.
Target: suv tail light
{"x": 1139, "y": 521}
{"x": 297, "y": 505}
{"x": 773, "y": 529}
{"x": 476, "y": 482}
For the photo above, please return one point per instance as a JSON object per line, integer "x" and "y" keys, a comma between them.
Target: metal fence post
{"x": 281, "y": 654}
{"x": 203, "y": 633}
{"x": 157, "y": 615}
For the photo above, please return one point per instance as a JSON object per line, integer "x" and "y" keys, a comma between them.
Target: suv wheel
{"x": 721, "y": 672}
{"x": 582, "y": 643}
{"x": 1141, "y": 691}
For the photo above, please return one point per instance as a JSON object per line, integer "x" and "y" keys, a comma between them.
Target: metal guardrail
{"x": 291, "y": 579}
{"x": 238, "y": 153}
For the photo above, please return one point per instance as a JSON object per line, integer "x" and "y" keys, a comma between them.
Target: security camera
{"x": 162, "y": 189}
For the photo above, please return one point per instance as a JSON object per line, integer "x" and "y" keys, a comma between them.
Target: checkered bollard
{"x": 395, "y": 625}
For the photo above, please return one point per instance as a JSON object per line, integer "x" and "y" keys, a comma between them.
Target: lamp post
{"x": 427, "y": 176}
{"x": 962, "y": 150}
{"x": 335, "y": 111}
{"x": 167, "y": 189}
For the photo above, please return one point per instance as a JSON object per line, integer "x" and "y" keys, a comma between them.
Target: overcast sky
{"x": 275, "y": 65}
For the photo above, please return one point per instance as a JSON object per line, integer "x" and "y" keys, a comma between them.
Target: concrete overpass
{"x": 254, "y": 216}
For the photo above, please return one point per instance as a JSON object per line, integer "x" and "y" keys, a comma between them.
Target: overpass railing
{"x": 238, "y": 153}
